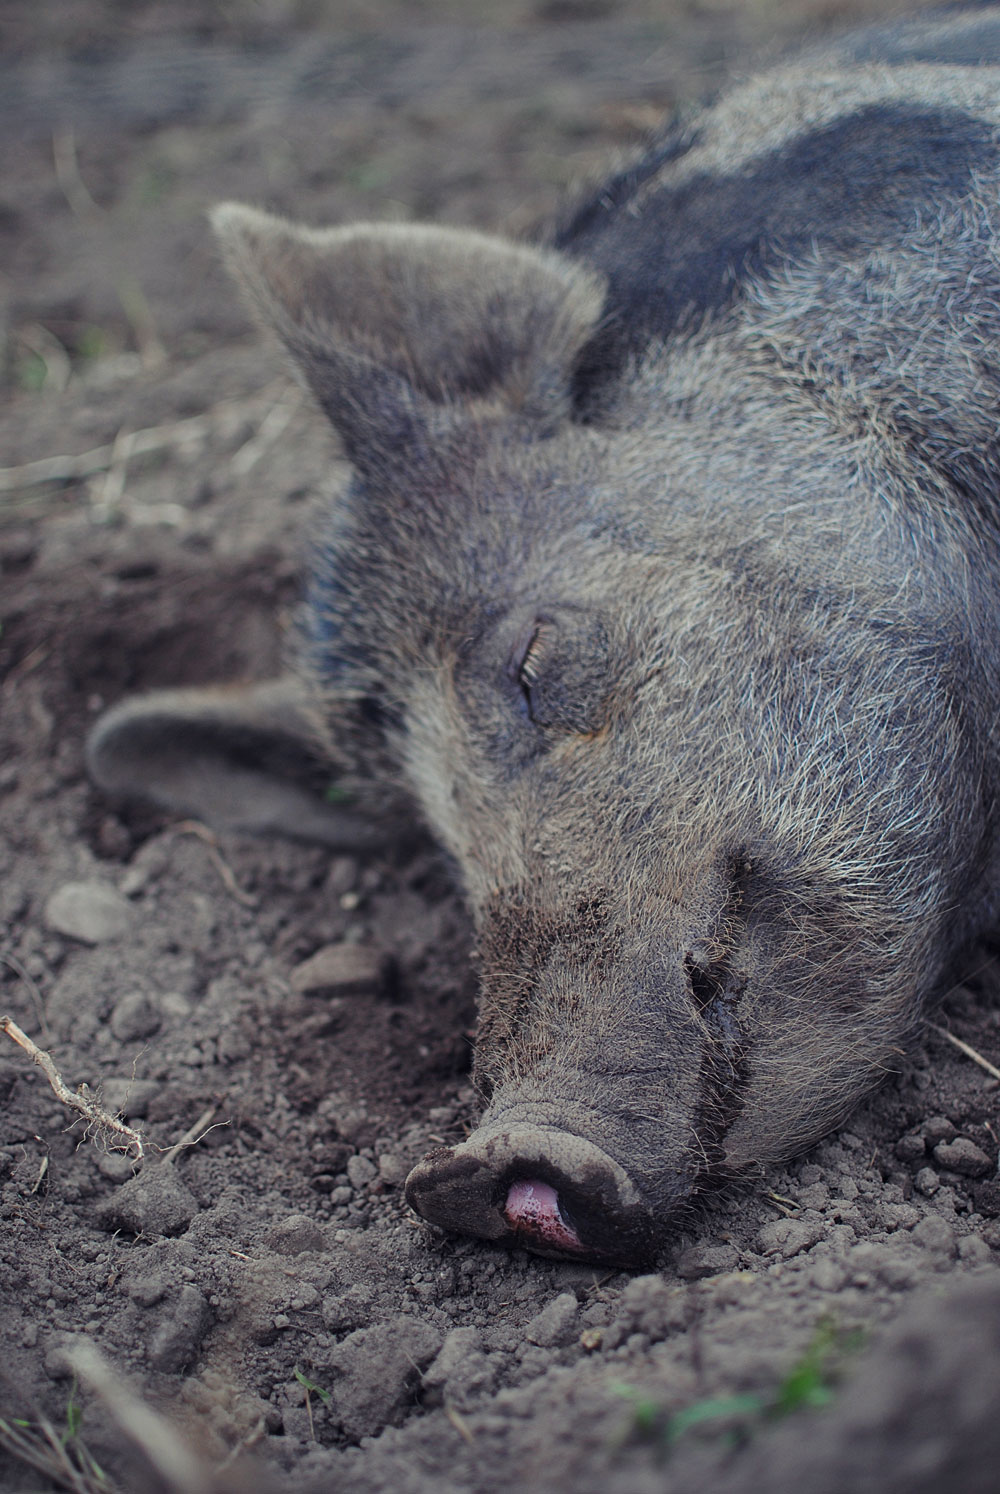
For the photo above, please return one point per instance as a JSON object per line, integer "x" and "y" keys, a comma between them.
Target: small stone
{"x": 93, "y": 912}
{"x": 555, "y": 1324}
{"x": 344, "y": 968}
{"x": 154, "y": 1203}
{"x": 927, "y": 1182}
{"x": 964, "y": 1156}
{"x": 361, "y": 1171}
{"x": 705, "y": 1260}
{"x": 134, "y": 1018}
{"x": 910, "y": 1148}
{"x": 392, "y": 1169}
{"x": 294, "y": 1235}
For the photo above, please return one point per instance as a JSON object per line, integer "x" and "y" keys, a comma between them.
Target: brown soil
{"x": 278, "y": 1246}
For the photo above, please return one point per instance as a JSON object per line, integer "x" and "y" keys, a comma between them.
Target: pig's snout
{"x": 545, "y": 1190}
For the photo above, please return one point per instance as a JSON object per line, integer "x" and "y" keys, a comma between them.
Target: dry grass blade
{"x": 159, "y": 1442}
{"x": 115, "y": 1131}
{"x": 967, "y": 1049}
{"x": 40, "y": 1447}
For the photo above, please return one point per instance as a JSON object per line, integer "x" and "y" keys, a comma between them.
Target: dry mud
{"x": 265, "y": 1289}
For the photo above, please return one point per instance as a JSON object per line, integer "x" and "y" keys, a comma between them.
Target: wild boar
{"x": 666, "y": 590}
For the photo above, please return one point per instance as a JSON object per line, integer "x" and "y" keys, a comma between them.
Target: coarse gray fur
{"x": 667, "y": 588}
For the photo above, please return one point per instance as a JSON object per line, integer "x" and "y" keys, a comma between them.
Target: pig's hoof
{"x": 541, "y": 1189}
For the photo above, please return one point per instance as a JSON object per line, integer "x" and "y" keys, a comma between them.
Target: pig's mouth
{"x": 544, "y": 1190}
{"x": 533, "y": 1211}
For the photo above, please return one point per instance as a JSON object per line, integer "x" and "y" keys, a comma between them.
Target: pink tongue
{"x": 532, "y": 1208}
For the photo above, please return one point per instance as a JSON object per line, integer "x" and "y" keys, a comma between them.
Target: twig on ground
{"x": 227, "y": 415}
{"x": 193, "y": 1134}
{"x": 13, "y": 963}
{"x": 195, "y": 827}
{"x": 68, "y": 176}
{"x": 101, "y": 1120}
{"x": 965, "y": 1048}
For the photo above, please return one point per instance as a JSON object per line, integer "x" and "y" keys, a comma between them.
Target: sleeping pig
{"x": 666, "y": 590}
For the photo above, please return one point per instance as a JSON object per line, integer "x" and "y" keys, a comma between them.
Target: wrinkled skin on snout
{"x": 699, "y": 709}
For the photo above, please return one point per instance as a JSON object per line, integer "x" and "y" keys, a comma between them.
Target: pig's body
{"x": 667, "y": 588}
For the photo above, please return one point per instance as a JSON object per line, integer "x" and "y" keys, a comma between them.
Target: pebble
{"x": 964, "y": 1156}
{"x": 93, "y": 912}
{"x": 134, "y": 1018}
{"x": 360, "y": 1171}
{"x": 344, "y": 968}
{"x": 392, "y": 1169}
{"x": 910, "y": 1148}
{"x": 927, "y": 1182}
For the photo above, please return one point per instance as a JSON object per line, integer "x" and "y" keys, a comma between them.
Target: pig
{"x": 665, "y": 592}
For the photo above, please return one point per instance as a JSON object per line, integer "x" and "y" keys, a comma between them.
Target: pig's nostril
{"x": 532, "y": 1211}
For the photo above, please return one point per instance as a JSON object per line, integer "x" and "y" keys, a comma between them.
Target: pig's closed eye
{"x": 529, "y": 656}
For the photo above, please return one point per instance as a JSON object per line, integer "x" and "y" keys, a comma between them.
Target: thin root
{"x": 95, "y": 1115}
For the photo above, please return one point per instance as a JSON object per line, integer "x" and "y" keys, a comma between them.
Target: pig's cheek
{"x": 532, "y": 1210}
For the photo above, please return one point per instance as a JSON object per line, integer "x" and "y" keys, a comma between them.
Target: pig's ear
{"x": 243, "y": 758}
{"x": 374, "y": 313}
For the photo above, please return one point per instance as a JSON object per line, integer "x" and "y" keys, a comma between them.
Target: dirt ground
{"x": 264, "y": 1291}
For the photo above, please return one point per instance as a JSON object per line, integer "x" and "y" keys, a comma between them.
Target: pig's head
{"x": 687, "y": 758}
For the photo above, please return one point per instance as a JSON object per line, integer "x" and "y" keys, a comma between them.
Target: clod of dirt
{"x": 787, "y": 1237}
{"x": 461, "y": 1372}
{"x": 177, "y": 1337}
{"x": 379, "y": 1369}
{"x": 93, "y": 912}
{"x": 962, "y": 1155}
{"x": 135, "y": 1018}
{"x": 705, "y": 1260}
{"x": 555, "y": 1324}
{"x": 341, "y": 968}
{"x": 919, "y": 1416}
{"x": 294, "y": 1235}
{"x": 154, "y": 1203}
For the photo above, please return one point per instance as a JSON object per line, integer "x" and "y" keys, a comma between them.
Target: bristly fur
{"x": 728, "y": 449}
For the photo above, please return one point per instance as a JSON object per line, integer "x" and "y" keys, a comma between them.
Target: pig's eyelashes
{"x": 529, "y": 656}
